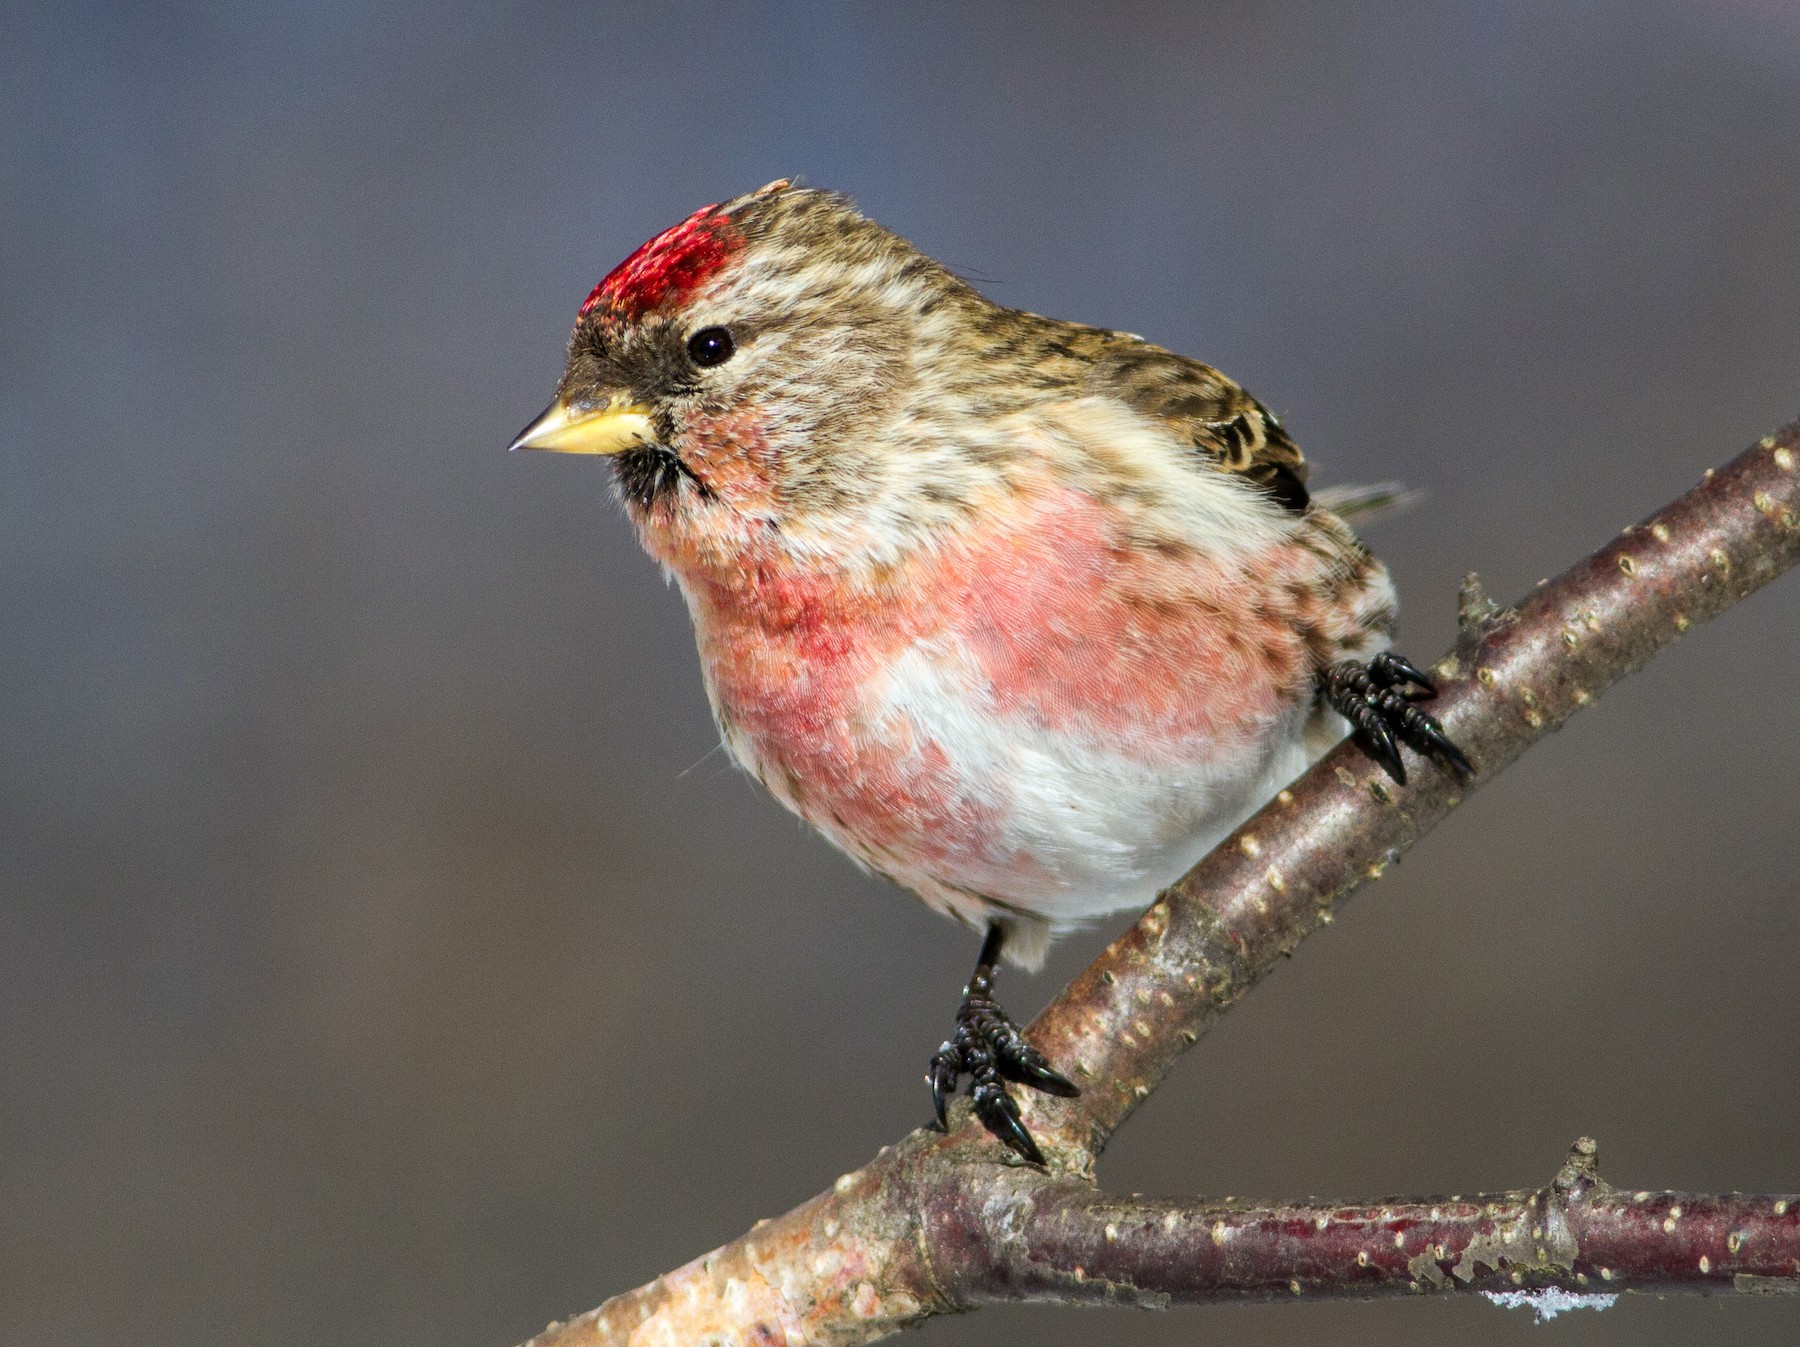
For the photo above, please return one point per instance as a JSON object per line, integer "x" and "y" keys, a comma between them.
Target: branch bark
{"x": 1577, "y": 1235}
{"x": 940, "y": 1223}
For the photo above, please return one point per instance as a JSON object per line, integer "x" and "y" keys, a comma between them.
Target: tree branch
{"x": 1576, "y": 1234}
{"x": 941, "y": 1223}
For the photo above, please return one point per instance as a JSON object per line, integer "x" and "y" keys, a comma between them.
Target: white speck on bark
{"x": 1550, "y": 1302}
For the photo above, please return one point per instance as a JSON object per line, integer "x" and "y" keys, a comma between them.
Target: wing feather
{"x": 1228, "y": 428}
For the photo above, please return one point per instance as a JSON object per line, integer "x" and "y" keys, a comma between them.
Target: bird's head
{"x": 741, "y": 368}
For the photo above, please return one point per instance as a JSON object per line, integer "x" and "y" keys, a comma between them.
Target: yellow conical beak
{"x": 609, "y": 429}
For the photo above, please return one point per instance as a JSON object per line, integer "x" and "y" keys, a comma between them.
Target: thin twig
{"x": 1576, "y": 1234}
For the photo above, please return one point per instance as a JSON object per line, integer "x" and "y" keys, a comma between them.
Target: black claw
{"x": 1378, "y": 699}
{"x": 1390, "y": 669}
{"x": 988, "y": 1048}
{"x": 1433, "y": 734}
{"x": 1392, "y": 764}
{"x": 1379, "y": 739}
{"x": 1464, "y": 768}
{"x": 1040, "y": 1075}
{"x": 1000, "y": 1115}
{"x": 944, "y": 1069}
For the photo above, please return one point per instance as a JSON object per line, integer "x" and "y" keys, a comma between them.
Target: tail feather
{"x": 1364, "y": 503}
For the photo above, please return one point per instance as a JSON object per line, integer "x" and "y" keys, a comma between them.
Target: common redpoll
{"x": 1024, "y": 615}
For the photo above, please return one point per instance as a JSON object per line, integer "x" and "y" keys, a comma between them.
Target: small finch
{"x": 1022, "y": 614}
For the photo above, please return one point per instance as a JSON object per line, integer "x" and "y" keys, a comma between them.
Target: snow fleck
{"x": 1550, "y": 1301}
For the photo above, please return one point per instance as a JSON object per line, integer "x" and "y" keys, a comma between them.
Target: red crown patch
{"x": 669, "y": 267}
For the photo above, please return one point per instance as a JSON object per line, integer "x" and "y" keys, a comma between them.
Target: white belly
{"x": 1082, "y": 827}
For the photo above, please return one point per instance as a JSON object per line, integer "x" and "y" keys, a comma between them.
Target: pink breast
{"x": 1167, "y": 657}
{"x": 1160, "y": 653}
{"x": 798, "y": 665}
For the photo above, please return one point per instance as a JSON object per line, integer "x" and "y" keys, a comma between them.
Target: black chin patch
{"x": 649, "y": 472}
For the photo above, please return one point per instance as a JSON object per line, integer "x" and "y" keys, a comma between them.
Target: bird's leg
{"x": 1377, "y": 697}
{"x": 988, "y": 1048}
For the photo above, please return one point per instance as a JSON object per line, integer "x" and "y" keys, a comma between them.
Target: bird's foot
{"x": 1378, "y": 699}
{"x": 988, "y": 1048}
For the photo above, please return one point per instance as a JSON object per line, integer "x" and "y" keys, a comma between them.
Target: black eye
{"x": 710, "y": 346}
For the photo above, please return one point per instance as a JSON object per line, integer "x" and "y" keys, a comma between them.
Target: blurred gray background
{"x": 386, "y": 953}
